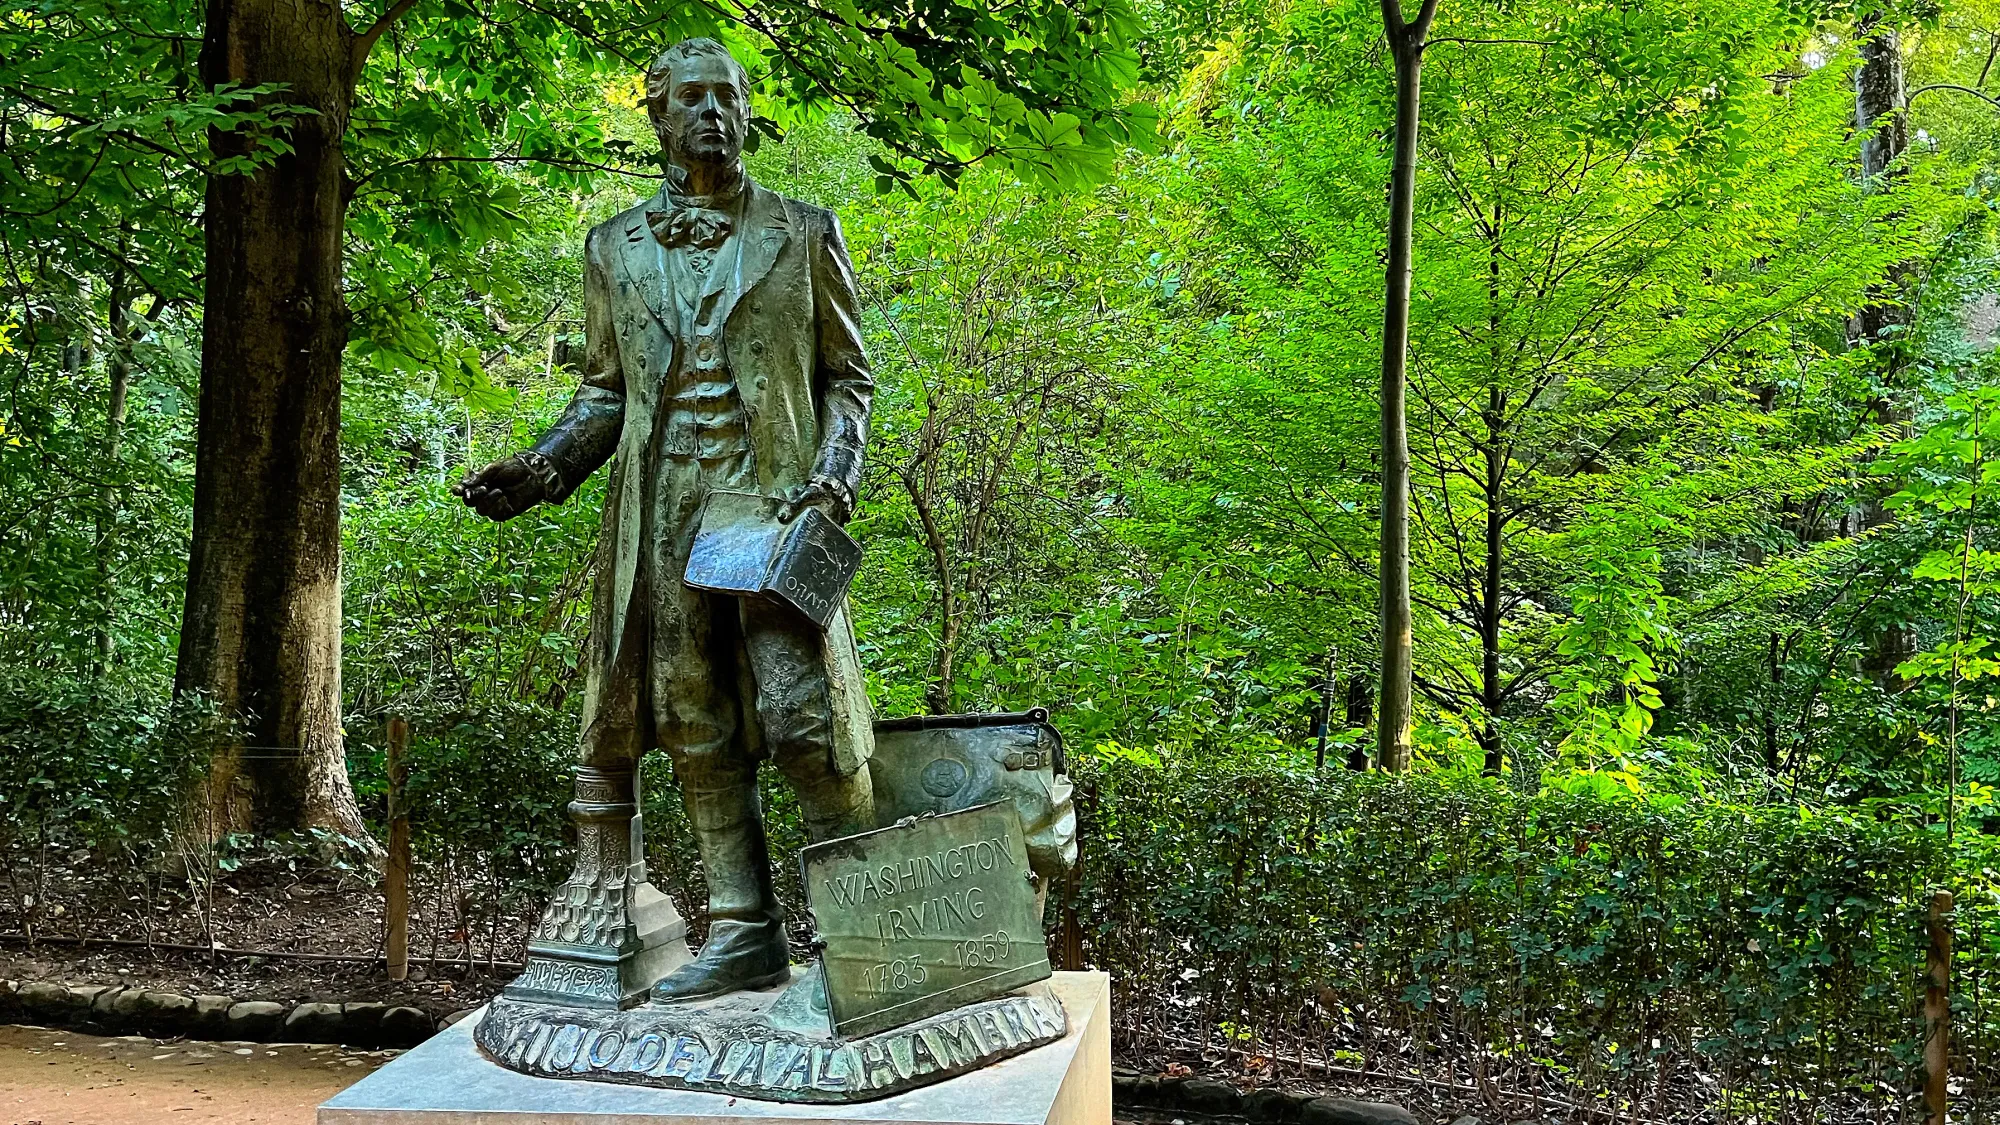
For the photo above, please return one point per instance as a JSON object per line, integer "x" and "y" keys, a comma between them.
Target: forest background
{"x": 1703, "y": 412}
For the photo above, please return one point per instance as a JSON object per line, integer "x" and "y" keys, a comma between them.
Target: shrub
{"x": 1626, "y": 947}
{"x": 102, "y": 763}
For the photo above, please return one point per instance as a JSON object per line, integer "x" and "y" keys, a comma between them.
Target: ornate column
{"x": 607, "y": 934}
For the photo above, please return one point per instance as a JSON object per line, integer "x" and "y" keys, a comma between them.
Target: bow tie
{"x": 698, "y": 227}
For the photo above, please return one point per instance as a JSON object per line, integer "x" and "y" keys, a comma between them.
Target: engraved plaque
{"x": 922, "y": 917}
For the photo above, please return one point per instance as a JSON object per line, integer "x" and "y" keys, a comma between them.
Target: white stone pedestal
{"x": 446, "y": 1081}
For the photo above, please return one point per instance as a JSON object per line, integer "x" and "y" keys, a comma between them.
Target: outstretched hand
{"x": 502, "y": 490}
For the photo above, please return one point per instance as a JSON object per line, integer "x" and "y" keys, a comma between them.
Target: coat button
{"x": 756, "y": 347}
{"x": 758, "y": 382}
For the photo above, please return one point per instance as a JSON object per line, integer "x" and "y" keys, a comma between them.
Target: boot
{"x": 746, "y": 933}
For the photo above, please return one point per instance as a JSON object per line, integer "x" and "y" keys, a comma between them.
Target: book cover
{"x": 741, "y": 548}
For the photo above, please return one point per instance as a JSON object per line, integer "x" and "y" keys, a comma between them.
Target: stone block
{"x": 210, "y": 1017}
{"x": 1210, "y": 1096}
{"x": 406, "y": 1027}
{"x": 361, "y": 1023}
{"x": 46, "y": 1000}
{"x": 1348, "y": 1111}
{"x": 1273, "y": 1106}
{"x": 125, "y": 1009}
{"x": 110, "y": 1009}
{"x": 315, "y": 1023}
{"x": 85, "y": 998}
{"x": 255, "y": 1020}
{"x": 168, "y": 1013}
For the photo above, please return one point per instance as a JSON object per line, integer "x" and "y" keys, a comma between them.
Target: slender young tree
{"x": 1406, "y": 43}
{"x": 1880, "y": 104}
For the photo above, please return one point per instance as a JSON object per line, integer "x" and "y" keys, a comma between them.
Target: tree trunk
{"x": 1323, "y": 719}
{"x": 261, "y": 630}
{"x": 1406, "y": 41}
{"x": 1879, "y": 96}
{"x": 1490, "y": 691}
{"x": 1491, "y": 694}
{"x": 919, "y": 480}
{"x": 1358, "y": 699}
{"x": 118, "y": 366}
{"x": 1771, "y": 759}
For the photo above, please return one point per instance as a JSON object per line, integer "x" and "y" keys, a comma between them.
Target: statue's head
{"x": 698, "y": 96}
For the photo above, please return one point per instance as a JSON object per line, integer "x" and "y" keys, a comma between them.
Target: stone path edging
{"x": 1212, "y": 1097}
{"x": 117, "y": 1010}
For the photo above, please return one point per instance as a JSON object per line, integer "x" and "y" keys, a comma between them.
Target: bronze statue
{"x": 722, "y": 354}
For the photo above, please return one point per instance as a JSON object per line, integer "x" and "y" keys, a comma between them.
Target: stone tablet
{"x": 924, "y": 916}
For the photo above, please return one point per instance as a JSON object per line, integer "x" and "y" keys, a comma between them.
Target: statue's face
{"x": 705, "y": 113}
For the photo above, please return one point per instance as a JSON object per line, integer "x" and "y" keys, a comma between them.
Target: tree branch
{"x": 1987, "y": 98}
{"x": 1491, "y": 42}
{"x": 365, "y": 42}
{"x": 552, "y": 161}
{"x": 1392, "y": 19}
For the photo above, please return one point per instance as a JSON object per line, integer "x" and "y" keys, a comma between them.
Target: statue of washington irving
{"x": 722, "y": 352}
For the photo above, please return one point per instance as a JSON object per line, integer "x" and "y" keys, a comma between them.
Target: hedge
{"x": 1658, "y": 958}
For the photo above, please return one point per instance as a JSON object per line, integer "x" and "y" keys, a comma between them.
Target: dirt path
{"x": 63, "y": 1078}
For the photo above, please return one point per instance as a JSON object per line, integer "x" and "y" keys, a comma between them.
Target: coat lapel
{"x": 641, "y": 261}
{"x": 766, "y": 226}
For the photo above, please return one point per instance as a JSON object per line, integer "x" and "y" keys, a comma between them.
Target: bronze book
{"x": 741, "y": 548}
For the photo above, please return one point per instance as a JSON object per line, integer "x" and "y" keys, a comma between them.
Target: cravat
{"x": 698, "y": 227}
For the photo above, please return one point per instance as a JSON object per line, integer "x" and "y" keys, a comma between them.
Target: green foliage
{"x": 486, "y": 790}
{"x": 1124, "y": 466}
{"x": 1616, "y": 641}
{"x": 1775, "y": 949}
{"x": 99, "y": 765}
{"x": 1950, "y": 477}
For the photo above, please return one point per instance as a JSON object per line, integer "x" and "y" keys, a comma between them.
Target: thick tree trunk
{"x": 1406, "y": 41}
{"x": 1879, "y": 95}
{"x": 261, "y": 630}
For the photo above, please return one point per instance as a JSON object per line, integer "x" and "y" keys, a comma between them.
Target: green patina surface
{"x": 924, "y": 916}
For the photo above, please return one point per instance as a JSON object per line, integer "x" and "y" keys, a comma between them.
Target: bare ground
{"x": 64, "y": 1078}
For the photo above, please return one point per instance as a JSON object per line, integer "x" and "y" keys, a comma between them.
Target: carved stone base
{"x": 607, "y": 934}
{"x": 602, "y": 976}
{"x": 774, "y": 1044}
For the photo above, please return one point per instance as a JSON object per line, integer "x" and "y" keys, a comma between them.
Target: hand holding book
{"x": 828, "y": 495}
{"x": 745, "y": 547}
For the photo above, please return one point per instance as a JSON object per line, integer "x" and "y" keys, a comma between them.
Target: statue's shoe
{"x": 737, "y": 956}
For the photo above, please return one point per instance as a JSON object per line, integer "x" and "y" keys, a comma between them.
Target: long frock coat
{"x": 793, "y": 346}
